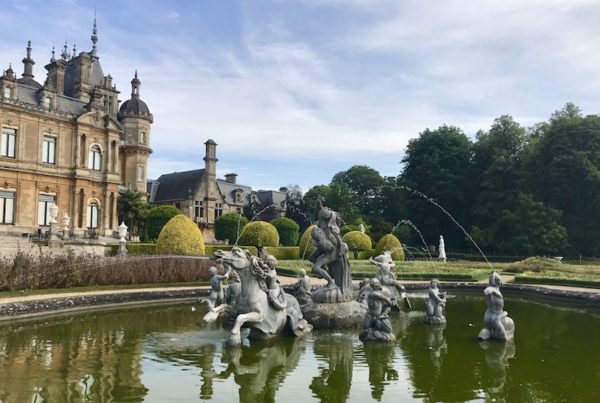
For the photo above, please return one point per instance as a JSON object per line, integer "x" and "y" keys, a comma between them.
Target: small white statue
{"x": 361, "y": 227}
{"x": 442, "y": 249}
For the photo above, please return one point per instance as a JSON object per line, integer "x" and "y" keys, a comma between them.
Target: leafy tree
{"x": 132, "y": 209}
{"x": 288, "y": 231}
{"x": 438, "y": 164}
{"x": 157, "y": 217}
{"x": 365, "y": 185}
{"x": 392, "y": 200}
{"x": 229, "y": 226}
{"x": 563, "y": 171}
{"x": 310, "y": 199}
{"x": 295, "y": 207}
{"x": 343, "y": 200}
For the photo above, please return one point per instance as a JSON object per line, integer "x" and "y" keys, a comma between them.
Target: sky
{"x": 294, "y": 91}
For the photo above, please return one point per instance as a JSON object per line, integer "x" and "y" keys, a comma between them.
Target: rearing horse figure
{"x": 252, "y": 308}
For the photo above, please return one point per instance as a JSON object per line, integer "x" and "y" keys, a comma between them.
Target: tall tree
{"x": 295, "y": 207}
{"x": 564, "y": 173}
{"x": 310, "y": 199}
{"x": 365, "y": 184}
{"x": 438, "y": 164}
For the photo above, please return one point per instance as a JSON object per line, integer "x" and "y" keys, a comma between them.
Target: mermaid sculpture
{"x": 497, "y": 324}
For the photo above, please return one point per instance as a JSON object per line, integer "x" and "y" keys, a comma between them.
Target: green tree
{"x": 438, "y": 164}
{"x": 295, "y": 207}
{"x": 365, "y": 185}
{"x": 288, "y": 230}
{"x": 563, "y": 171}
{"x": 229, "y": 226}
{"x": 132, "y": 209}
{"x": 157, "y": 217}
{"x": 310, "y": 199}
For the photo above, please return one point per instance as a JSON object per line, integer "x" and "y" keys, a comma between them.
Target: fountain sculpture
{"x": 377, "y": 326}
{"x": 497, "y": 324}
{"x": 434, "y": 313}
{"x": 391, "y": 287}
{"x": 261, "y": 306}
{"x": 332, "y": 305}
{"x": 302, "y": 289}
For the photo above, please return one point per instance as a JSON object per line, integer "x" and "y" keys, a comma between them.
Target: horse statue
{"x": 266, "y": 311}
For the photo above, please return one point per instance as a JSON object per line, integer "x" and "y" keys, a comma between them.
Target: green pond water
{"x": 163, "y": 353}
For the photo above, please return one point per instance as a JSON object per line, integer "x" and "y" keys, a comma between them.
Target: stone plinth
{"x": 341, "y": 315}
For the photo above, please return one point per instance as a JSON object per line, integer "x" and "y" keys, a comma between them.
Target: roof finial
{"x": 65, "y": 52}
{"x": 94, "y": 35}
{"x": 29, "y": 49}
{"x": 52, "y": 59}
{"x": 74, "y": 50}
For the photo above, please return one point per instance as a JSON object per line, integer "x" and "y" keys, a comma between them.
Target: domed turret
{"x": 135, "y": 106}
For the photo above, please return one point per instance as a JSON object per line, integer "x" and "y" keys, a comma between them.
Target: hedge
{"x": 288, "y": 230}
{"x": 180, "y": 236}
{"x": 284, "y": 252}
{"x": 135, "y": 248}
{"x": 524, "y": 279}
{"x": 259, "y": 233}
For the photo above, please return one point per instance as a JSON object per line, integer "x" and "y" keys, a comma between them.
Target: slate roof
{"x": 134, "y": 106}
{"x": 176, "y": 185}
{"x": 227, "y": 190}
{"x": 27, "y": 95}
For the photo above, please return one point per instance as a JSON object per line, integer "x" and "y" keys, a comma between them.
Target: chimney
{"x": 231, "y": 178}
{"x": 283, "y": 189}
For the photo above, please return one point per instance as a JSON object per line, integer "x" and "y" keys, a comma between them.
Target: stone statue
{"x": 442, "y": 249}
{"x": 435, "y": 304}
{"x": 377, "y": 326}
{"x": 254, "y": 307}
{"x": 276, "y": 294}
{"x": 361, "y": 227}
{"x": 234, "y": 290}
{"x": 217, "y": 295}
{"x": 497, "y": 324}
{"x": 302, "y": 289}
{"x": 388, "y": 279}
{"x": 330, "y": 257}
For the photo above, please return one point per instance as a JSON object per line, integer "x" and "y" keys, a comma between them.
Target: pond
{"x": 162, "y": 353}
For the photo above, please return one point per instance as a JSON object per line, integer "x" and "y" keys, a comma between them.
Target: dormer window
{"x": 95, "y": 160}
{"x": 46, "y": 101}
{"x": 7, "y": 93}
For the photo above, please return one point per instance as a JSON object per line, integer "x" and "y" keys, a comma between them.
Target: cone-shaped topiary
{"x": 180, "y": 236}
{"x": 259, "y": 233}
{"x": 357, "y": 241}
{"x": 305, "y": 246}
{"x": 390, "y": 243}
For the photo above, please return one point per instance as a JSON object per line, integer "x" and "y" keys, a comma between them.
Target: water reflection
{"x": 336, "y": 355}
{"x": 497, "y": 355}
{"x": 380, "y": 360}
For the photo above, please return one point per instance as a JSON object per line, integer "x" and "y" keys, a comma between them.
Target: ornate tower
{"x": 136, "y": 119}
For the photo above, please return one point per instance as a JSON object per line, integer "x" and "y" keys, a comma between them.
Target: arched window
{"x": 95, "y": 160}
{"x": 92, "y": 215}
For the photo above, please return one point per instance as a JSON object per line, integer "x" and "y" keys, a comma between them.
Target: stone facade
{"x": 203, "y": 197}
{"x": 67, "y": 141}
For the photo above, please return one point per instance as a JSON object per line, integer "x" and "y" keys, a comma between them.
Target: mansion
{"x": 67, "y": 141}
{"x": 201, "y": 196}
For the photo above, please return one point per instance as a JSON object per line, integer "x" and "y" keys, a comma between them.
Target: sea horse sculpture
{"x": 256, "y": 307}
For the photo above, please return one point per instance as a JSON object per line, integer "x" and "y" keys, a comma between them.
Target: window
{"x": 198, "y": 209}
{"x": 92, "y": 215}
{"x": 218, "y": 210}
{"x": 140, "y": 173}
{"x": 143, "y": 138}
{"x": 95, "y": 159}
{"x": 7, "y": 207}
{"x": 44, "y": 203}
{"x": 7, "y": 93}
{"x": 49, "y": 150}
{"x": 9, "y": 138}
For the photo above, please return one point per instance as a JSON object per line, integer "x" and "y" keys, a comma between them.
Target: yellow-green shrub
{"x": 259, "y": 233}
{"x": 305, "y": 246}
{"x": 180, "y": 236}
{"x": 390, "y": 243}
{"x": 357, "y": 241}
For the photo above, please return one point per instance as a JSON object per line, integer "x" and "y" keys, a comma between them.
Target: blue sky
{"x": 294, "y": 91}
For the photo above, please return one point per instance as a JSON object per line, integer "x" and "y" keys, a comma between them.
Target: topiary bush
{"x": 288, "y": 230}
{"x": 390, "y": 243}
{"x": 284, "y": 252}
{"x": 156, "y": 219}
{"x": 259, "y": 233}
{"x": 357, "y": 241}
{"x": 305, "y": 246}
{"x": 230, "y": 226}
{"x": 180, "y": 236}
